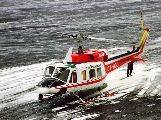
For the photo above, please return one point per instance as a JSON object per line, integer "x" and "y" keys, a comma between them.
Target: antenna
{"x": 142, "y": 22}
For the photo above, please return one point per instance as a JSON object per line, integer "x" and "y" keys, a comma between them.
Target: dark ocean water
{"x": 28, "y": 41}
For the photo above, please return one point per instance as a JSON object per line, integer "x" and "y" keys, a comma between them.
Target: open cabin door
{"x": 73, "y": 77}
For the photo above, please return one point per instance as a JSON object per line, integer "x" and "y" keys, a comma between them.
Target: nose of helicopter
{"x": 44, "y": 90}
{"x": 47, "y": 85}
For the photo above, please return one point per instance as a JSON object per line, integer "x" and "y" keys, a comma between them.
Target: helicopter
{"x": 85, "y": 71}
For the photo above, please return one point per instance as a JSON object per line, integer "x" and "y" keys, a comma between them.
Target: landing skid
{"x": 61, "y": 92}
{"x": 106, "y": 94}
{"x": 83, "y": 94}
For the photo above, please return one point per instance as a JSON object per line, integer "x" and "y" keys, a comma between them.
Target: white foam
{"x": 85, "y": 117}
{"x": 141, "y": 79}
{"x": 58, "y": 108}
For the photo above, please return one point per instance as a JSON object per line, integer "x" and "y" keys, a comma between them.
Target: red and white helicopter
{"x": 84, "y": 71}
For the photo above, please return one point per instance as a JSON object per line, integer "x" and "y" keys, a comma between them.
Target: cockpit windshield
{"x": 61, "y": 73}
{"x": 49, "y": 71}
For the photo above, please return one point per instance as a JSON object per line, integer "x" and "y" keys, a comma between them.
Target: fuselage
{"x": 72, "y": 77}
{"x": 85, "y": 70}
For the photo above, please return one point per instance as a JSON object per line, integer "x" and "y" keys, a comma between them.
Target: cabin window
{"x": 61, "y": 73}
{"x": 49, "y": 71}
{"x": 73, "y": 78}
{"x": 99, "y": 73}
{"x": 84, "y": 75}
{"x": 92, "y": 73}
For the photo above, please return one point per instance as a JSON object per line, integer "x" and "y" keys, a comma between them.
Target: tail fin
{"x": 143, "y": 40}
{"x": 144, "y": 36}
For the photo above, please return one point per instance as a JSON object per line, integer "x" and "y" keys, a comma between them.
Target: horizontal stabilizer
{"x": 138, "y": 59}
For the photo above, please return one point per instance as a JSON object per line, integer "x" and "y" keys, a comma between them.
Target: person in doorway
{"x": 80, "y": 50}
{"x": 130, "y": 68}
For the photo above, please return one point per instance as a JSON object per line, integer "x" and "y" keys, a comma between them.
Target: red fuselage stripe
{"x": 82, "y": 84}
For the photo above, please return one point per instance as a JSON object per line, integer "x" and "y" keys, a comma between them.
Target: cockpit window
{"x": 61, "y": 73}
{"x": 49, "y": 71}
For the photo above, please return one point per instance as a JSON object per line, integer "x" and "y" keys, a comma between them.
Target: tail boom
{"x": 117, "y": 61}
